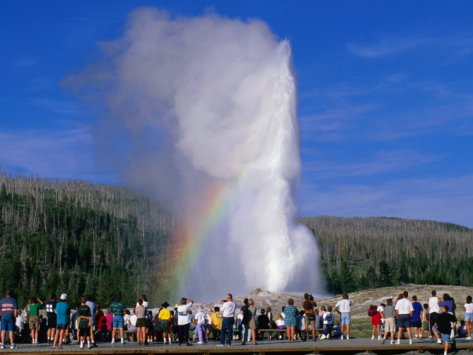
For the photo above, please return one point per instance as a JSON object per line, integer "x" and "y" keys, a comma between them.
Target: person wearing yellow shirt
{"x": 164, "y": 316}
{"x": 216, "y": 321}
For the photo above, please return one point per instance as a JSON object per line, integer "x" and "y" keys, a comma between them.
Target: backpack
{"x": 372, "y": 311}
{"x": 308, "y": 306}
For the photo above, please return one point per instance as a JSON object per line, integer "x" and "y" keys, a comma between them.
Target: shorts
{"x": 425, "y": 326}
{"x": 416, "y": 324}
{"x": 404, "y": 321}
{"x": 390, "y": 325}
{"x": 166, "y": 326}
{"x": 468, "y": 317}
{"x": 84, "y": 332}
{"x": 8, "y": 323}
{"x": 34, "y": 323}
{"x": 52, "y": 322}
{"x": 445, "y": 337}
{"x": 117, "y": 322}
{"x": 310, "y": 318}
{"x": 92, "y": 327}
{"x": 61, "y": 326}
{"x": 252, "y": 324}
{"x": 141, "y": 323}
{"x": 345, "y": 318}
{"x": 376, "y": 319}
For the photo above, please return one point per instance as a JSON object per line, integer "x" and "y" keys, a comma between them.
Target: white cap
{"x": 64, "y": 296}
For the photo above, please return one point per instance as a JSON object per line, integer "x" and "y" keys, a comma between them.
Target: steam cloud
{"x": 209, "y": 104}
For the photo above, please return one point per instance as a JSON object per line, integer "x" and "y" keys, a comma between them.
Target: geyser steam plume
{"x": 201, "y": 112}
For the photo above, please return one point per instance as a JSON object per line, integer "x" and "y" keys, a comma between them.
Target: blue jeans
{"x": 183, "y": 333}
{"x": 227, "y": 325}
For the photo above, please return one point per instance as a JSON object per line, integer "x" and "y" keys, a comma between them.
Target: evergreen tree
{"x": 385, "y": 277}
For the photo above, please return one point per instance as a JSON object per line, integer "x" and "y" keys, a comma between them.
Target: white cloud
{"x": 445, "y": 200}
{"x": 50, "y": 154}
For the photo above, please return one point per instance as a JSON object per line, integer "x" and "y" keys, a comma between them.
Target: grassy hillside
{"x": 361, "y": 253}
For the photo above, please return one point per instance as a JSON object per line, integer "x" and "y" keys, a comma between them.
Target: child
{"x": 444, "y": 325}
{"x": 85, "y": 322}
{"x": 280, "y": 323}
{"x": 425, "y": 321}
{"x": 462, "y": 333}
{"x": 337, "y": 330}
{"x": 300, "y": 326}
{"x": 328, "y": 320}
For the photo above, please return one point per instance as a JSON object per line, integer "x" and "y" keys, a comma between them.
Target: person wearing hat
{"x": 164, "y": 317}
{"x": 63, "y": 313}
{"x": 201, "y": 318}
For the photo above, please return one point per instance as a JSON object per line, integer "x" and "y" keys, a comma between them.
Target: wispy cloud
{"x": 382, "y": 163}
{"x": 63, "y": 154}
{"x": 447, "y": 200}
{"x": 384, "y": 45}
{"x": 26, "y": 62}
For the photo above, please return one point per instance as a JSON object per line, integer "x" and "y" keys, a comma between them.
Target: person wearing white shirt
{"x": 404, "y": 310}
{"x": 228, "y": 311}
{"x": 434, "y": 310}
{"x": 344, "y": 307}
{"x": 184, "y": 320}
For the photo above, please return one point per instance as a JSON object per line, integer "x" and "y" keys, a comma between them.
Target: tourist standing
{"x": 468, "y": 309}
{"x": 85, "y": 322}
{"x": 416, "y": 316}
{"x": 141, "y": 322}
{"x": 8, "y": 311}
{"x": 93, "y": 309}
{"x": 52, "y": 318}
{"x": 308, "y": 304}
{"x": 118, "y": 309}
{"x": 389, "y": 314}
{"x": 252, "y": 320}
{"x": 184, "y": 320}
{"x": 201, "y": 318}
{"x": 34, "y": 307}
{"x": 344, "y": 307}
{"x": 63, "y": 313}
{"x": 290, "y": 319}
{"x": 164, "y": 317}
{"x": 228, "y": 312}
{"x": 434, "y": 310}
{"x": 404, "y": 310}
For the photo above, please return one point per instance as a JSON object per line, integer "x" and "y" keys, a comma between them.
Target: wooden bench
{"x": 284, "y": 331}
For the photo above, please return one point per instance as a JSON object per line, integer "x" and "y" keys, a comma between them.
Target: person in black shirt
{"x": 444, "y": 325}
{"x": 85, "y": 322}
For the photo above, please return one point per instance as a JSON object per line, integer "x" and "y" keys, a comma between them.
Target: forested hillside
{"x": 80, "y": 238}
{"x": 360, "y": 253}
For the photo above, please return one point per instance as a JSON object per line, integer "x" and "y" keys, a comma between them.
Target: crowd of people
{"x": 435, "y": 318}
{"x": 85, "y": 323}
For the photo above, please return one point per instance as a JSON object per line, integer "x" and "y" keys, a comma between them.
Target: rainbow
{"x": 189, "y": 239}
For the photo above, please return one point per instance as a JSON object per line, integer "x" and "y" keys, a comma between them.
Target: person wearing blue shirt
{"x": 8, "y": 311}
{"x": 63, "y": 311}
{"x": 416, "y": 321}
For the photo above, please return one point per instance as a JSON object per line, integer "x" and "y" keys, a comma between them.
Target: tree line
{"x": 81, "y": 238}
{"x": 361, "y": 253}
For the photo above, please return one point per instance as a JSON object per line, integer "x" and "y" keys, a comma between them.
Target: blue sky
{"x": 385, "y": 97}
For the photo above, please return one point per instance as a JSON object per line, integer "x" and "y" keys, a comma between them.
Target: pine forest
{"x": 83, "y": 238}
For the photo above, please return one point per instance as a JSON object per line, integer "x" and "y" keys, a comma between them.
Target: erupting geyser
{"x": 203, "y": 111}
